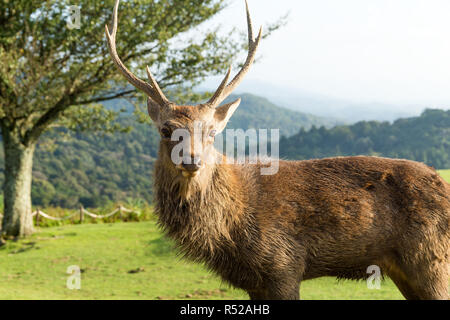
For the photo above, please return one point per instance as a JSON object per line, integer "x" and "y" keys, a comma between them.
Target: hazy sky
{"x": 395, "y": 51}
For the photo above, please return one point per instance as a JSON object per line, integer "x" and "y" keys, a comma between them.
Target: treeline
{"x": 93, "y": 169}
{"x": 425, "y": 138}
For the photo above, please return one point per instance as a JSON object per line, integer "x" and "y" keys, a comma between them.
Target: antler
{"x": 151, "y": 89}
{"x": 225, "y": 89}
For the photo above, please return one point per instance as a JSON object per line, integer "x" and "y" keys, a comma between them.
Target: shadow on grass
{"x": 161, "y": 246}
{"x": 70, "y": 234}
{"x": 26, "y": 246}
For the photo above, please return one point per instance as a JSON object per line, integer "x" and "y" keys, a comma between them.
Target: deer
{"x": 265, "y": 234}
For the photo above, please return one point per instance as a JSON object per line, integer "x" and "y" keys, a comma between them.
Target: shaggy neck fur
{"x": 195, "y": 212}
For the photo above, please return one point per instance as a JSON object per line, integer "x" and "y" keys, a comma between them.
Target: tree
{"x": 52, "y": 74}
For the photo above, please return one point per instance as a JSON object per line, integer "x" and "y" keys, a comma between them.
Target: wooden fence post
{"x": 37, "y": 217}
{"x": 120, "y": 213}
{"x": 81, "y": 214}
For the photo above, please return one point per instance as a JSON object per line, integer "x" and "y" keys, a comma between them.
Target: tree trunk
{"x": 17, "y": 219}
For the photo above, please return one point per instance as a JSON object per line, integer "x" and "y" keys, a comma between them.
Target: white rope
{"x": 43, "y": 214}
{"x": 92, "y": 215}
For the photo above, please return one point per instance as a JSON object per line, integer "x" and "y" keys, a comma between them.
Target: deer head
{"x": 194, "y": 126}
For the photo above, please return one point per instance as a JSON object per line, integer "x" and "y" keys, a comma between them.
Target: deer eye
{"x": 165, "y": 133}
{"x": 212, "y": 133}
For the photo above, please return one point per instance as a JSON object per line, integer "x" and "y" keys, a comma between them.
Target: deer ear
{"x": 224, "y": 113}
{"x": 153, "y": 109}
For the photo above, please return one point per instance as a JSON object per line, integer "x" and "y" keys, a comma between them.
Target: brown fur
{"x": 330, "y": 217}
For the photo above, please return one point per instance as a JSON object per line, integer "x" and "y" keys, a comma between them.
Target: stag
{"x": 267, "y": 233}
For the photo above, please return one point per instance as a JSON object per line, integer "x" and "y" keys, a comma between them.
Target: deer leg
{"x": 258, "y": 294}
{"x": 277, "y": 290}
{"x": 422, "y": 281}
{"x": 284, "y": 291}
{"x": 402, "y": 284}
{"x": 431, "y": 283}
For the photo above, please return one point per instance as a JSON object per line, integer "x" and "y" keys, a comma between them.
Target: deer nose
{"x": 192, "y": 164}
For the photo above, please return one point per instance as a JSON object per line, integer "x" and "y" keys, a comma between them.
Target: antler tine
{"x": 249, "y": 23}
{"x": 225, "y": 90}
{"x": 214, "y": 101}
{"x": 156, "y": 87}
{"x": 152, "y": 90}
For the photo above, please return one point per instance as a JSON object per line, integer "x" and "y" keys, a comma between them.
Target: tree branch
{"x": 100, "y": 99}
{"x": 34, "y": 133}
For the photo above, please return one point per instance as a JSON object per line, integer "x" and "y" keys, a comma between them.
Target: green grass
{"x": 132, "y": 261}
{"x": 445, "y": 174}
{"x": 35, "y": 268}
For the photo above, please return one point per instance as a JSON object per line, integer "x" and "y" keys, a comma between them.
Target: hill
{"x": 259, "y": 113}
{"x": 425, "y": 138}
{"x": 92, "y": 169}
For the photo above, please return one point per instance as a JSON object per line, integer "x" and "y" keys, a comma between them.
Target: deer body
{"x": 330, "y": 217}
{"x": 265, "y": 234}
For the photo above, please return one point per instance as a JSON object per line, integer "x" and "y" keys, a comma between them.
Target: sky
{"x": 389, "y": 51}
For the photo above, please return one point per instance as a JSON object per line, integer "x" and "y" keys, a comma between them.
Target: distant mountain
{"x": 324, "y": 106}
{"x": 425, "y": 138}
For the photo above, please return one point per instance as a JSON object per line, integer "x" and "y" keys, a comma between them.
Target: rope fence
{"x": 81, "y": 214}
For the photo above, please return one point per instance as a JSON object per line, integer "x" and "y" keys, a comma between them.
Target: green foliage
{"x": 425, "y": 138}
{"x": 94, "y": 170}
{"x": 43, "y": 192}
{"x": 131, "y": 261}
{"x": 55, "y": 76}
{"x": 94, "y": 118}
{"x": 48, "y": 68}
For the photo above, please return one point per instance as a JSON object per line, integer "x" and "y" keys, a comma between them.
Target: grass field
{"x": 131, "y": 261}
{"x": 445, "y": 174}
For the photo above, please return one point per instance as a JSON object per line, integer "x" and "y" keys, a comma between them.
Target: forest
{"x": 425, "y": 138}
